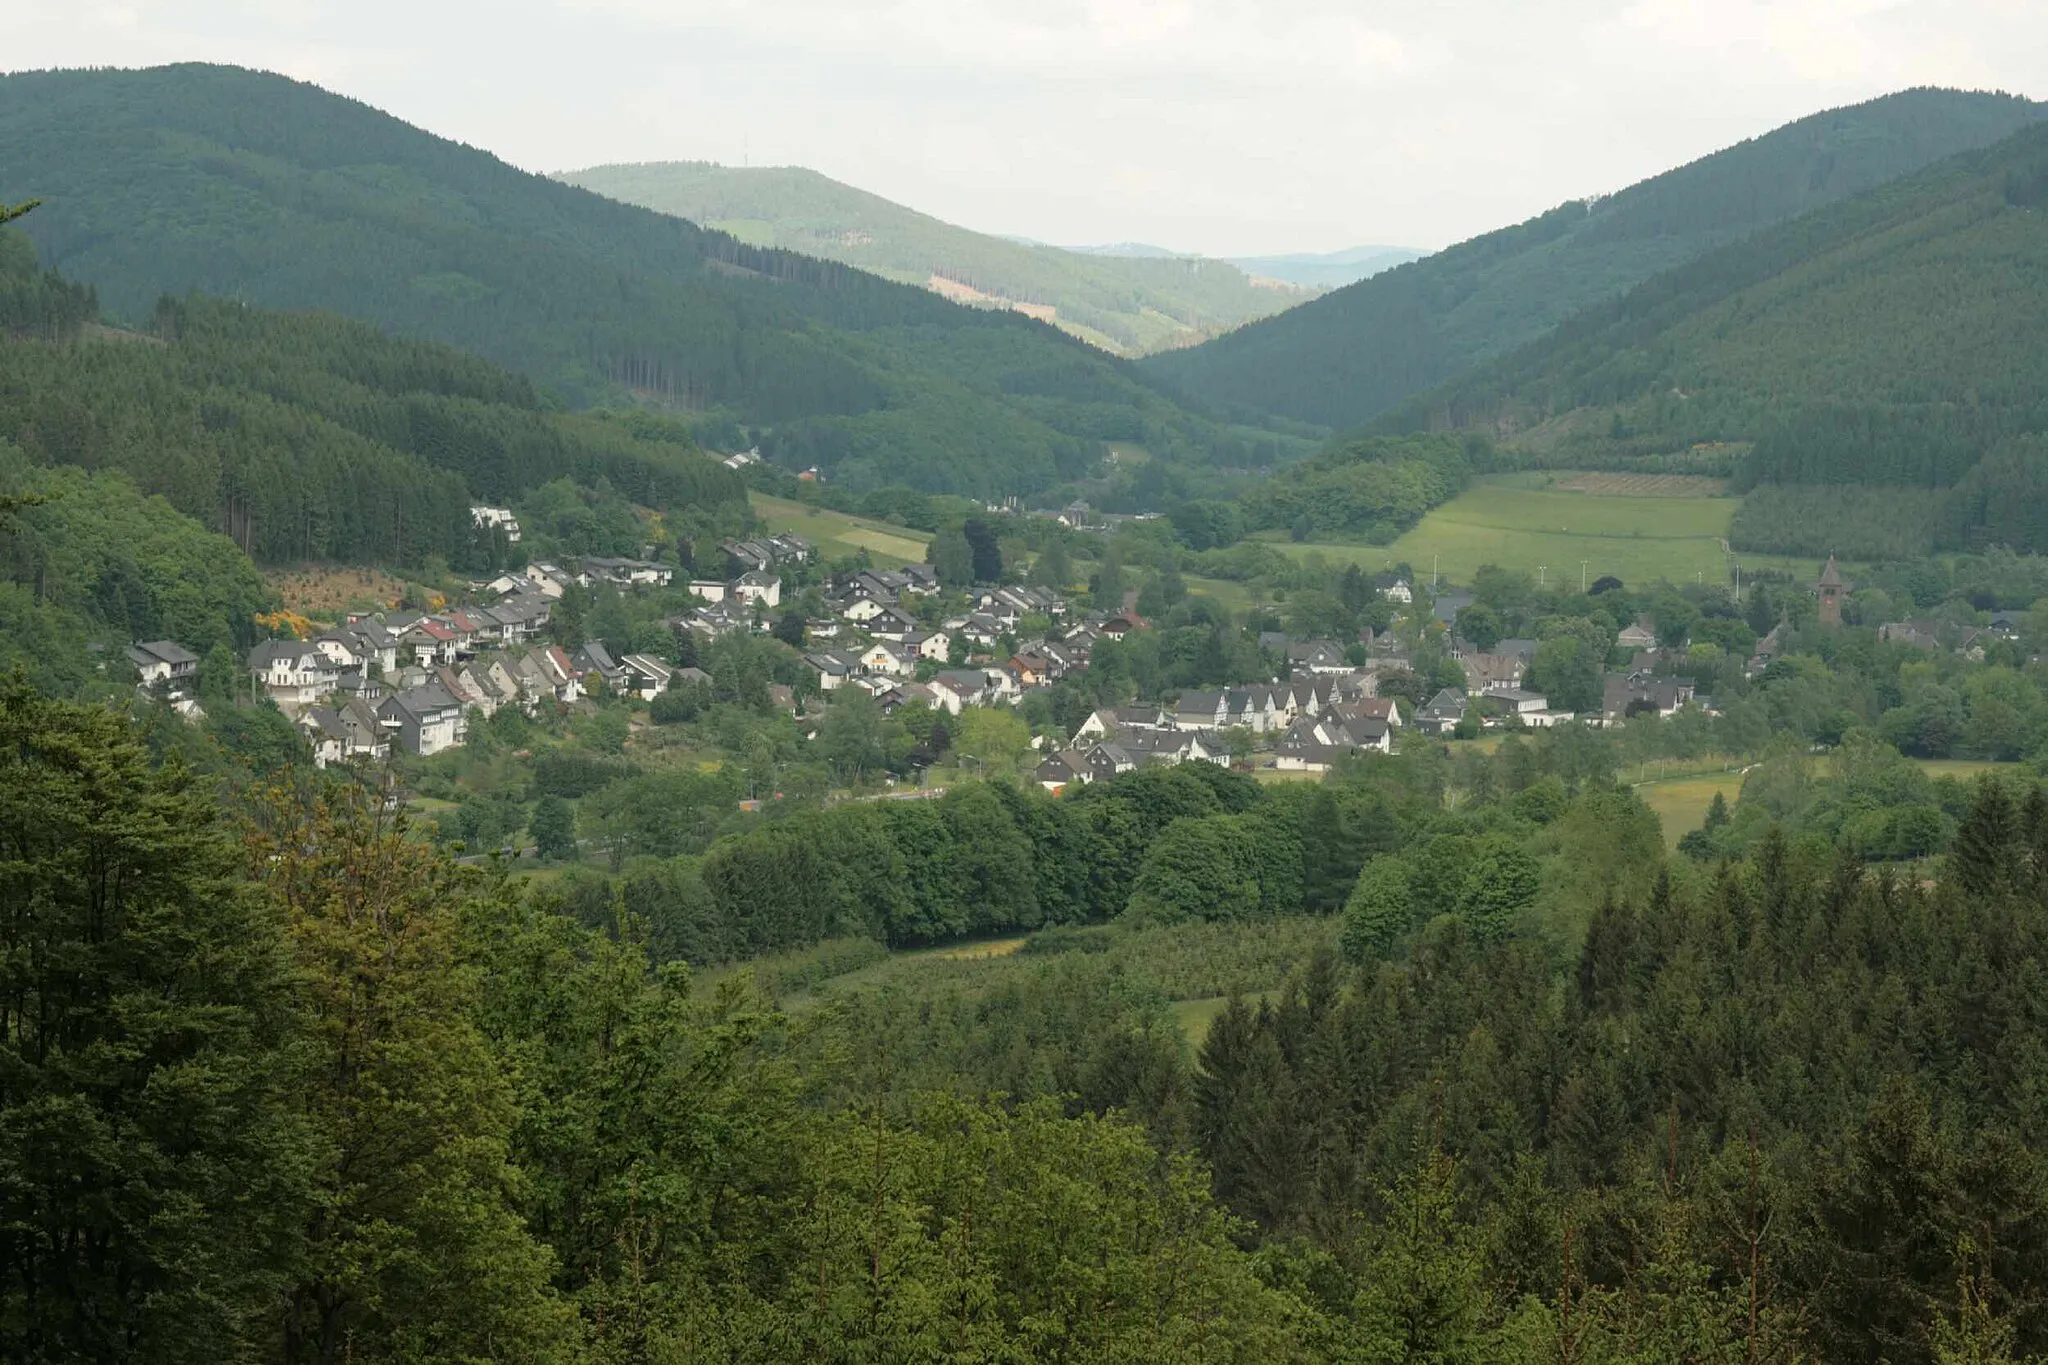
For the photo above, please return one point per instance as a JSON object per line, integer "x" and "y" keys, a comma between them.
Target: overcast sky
{"x": 1232, "y": 127}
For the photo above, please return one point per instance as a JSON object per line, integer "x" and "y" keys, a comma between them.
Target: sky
{"x": 1228, "y": 127}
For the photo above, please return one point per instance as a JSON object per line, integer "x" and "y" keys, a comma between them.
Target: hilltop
{"x": 276, "y": 193}
{"x": 1876, "y": 371}
{"x": 1130, "y": 304}
{"x": 1348, "y": 356}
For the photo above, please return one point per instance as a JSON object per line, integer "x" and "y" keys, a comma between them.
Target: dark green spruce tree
{"x": 152, "y": 1179}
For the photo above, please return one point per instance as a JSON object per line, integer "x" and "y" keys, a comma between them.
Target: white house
{"x": 424, "y": 720}
{"x": 710, "y": 589}
{"x": 295, "y": 674}
{"x": 936, "y": 644}
{"x": 756, "y": 586}
{"x": 861, "y": 610}
{"x": 1202, "y": 711}
{"x": 1314, "y": 744}
{"x": 834, "y": 669}
{"x": 646, "y": 676}
{"x": 884, "y": 657}
{"x": 498, "y": 519}
{"x": 167, "y": 664}
{"x": 960, "y": 687}
{"x": 342, "y": 733}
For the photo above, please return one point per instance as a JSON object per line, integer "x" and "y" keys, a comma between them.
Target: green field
{"x": 1232, "y": 597}
{"x": 1516, "y": 523}
{"x": 838, "y": 534}
{"x": 1681, "y": 804}
{"x": 1194, "y": 1017}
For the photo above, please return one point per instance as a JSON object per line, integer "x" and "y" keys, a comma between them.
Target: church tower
{"x": 1832, "y": 590}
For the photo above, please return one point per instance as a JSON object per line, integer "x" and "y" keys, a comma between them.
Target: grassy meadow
{"x": 839, "y": 534}
{"x": 1681, "y": 804}
{"x": 1638, "y": 528}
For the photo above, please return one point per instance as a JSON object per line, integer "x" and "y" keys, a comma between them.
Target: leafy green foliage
{"x": 413, "y": 1249}
{"x": 1374, "y": 488}
{"x": 1353, "y": 354}
{"x": 113, "y": 565}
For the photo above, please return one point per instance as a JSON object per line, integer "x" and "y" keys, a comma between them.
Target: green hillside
{"x": 1897, "y": 341}
{"x": 308, "y": 437}
{"x": 279, "y": 194}
{"x": 1352, "y": 354}
{"x": 1131, "y": 305}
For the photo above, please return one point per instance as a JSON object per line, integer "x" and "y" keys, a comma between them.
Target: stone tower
{"x": 1832, "y": 589}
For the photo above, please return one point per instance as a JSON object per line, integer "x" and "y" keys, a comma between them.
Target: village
{"x": 412, "y": 682}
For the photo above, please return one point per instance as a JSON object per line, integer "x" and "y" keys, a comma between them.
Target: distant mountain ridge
{"x": 1310, "y": 269}
{"x": 1329, "y": 269}
{"x": 261, "y": 189}
{"x": 1129, "y": 304}
{"x": 1357, "y": 352}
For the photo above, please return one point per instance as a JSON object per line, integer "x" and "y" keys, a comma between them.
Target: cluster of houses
{"x": 1318, "y": 719}
{"x": 742, "y": 600}
{"x": 875, "y": 641}
{"x": 409, "y": 679}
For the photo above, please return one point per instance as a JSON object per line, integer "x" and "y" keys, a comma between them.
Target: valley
{"x": 676, "y": 764}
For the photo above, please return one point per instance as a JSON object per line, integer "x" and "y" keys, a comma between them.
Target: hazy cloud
{"x": 1217, "y": 125}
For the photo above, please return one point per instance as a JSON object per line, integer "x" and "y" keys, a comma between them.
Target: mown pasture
{"x": 1568, "y": 526}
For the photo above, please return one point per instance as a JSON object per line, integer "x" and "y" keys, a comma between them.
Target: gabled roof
{"x": 168, "y": 651}
{"x": 289, "y": 651}
{"x": 424, "y": 702}
{"x": 1449, "y": 702}
{"x": 599, "y": 658}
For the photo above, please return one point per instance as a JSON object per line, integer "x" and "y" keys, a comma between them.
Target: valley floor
{"x": 1564, "y": 524}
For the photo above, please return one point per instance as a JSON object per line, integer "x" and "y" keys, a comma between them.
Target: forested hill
{"x": 1352, "y": 354}
{"x": 308, "y": 436}
{"x": 1129, "y": 305}
{"x": 254, "y": 187}
{"x": 1898, "y": 339}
